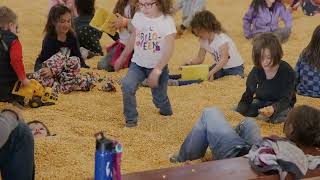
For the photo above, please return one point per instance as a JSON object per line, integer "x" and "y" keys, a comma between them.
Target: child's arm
{"x": 8, "y": 122}
{"x": 127, "y": 50}
{"x": 47, "y": 50}
{"x": 285, "y": 101}
{"x": 199, "y": 59}
{"x": 167, "y": 51}
{"x": 224, "y": 51}
{"x": 121, "y": 22}
{"x": 153, "y": 78}
{"x": 247, "y": 96}
{"x": 247, "y": 21}
{"x": 16, "y": 62}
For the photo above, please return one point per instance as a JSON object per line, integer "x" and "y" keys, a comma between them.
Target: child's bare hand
{"x": 267, "y": 111}
{"x": 153, "y": 78}
{"x": 119, "y": 21}
{"x": 46, "y": 73}
{"x": 211, "y": 76}
{"x": 25, "y": 82}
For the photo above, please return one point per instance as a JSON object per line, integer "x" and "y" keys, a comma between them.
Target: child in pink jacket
{"x": 68, "y": 3}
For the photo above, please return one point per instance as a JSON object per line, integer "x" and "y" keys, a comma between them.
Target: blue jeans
{"x": 136, "y": 74}
{"x": 17, "y": 155}
{"x": 213, "y": 130}
{"x": 238, "y": 70}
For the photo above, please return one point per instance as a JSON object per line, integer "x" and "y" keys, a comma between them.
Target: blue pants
{"x": 213, "y": 130}
{"x": 238, "y": 70}
{"x": 136, "y": 74}
{"x": 17, "y": 155}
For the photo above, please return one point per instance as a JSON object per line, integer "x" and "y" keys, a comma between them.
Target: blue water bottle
{"x": 104, "y": 158}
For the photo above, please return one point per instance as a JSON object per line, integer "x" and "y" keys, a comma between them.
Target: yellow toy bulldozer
{"x": 35, "y": 93}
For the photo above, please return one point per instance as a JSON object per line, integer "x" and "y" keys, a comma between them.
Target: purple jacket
{"x": 265, "y": 20}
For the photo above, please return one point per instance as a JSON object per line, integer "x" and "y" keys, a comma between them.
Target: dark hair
{"x": 206, "y": 20}
{"x": 85, "y": 7}
{"x": 305, "y": 123}
{"x": 256, "y": 4}
{"x": 36, "y": 121}
{"x": 266, "y": 41}
{"x": 312, "y": 51}
{"x": 7, "y": 16}
{"x": 121, "y": 5}
{"x": 54, "y": 15}
{"x": 165, "y": 6}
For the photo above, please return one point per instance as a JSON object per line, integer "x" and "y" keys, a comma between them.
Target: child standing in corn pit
{"x": 152, "y": 39}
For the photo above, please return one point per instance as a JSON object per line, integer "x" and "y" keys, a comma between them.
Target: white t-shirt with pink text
{"x": 213, "y": 48}
{"x": 150, "y": 35}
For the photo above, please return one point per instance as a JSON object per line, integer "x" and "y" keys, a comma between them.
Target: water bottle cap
{"x": 102, "y": 143}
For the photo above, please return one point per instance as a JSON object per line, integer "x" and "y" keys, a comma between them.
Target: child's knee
{"x": 249, "y": 123}
{"x": 212, "y": 112}
{"x": 128, "y": 86}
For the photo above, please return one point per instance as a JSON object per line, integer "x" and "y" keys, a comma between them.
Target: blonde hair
{"x": 7, "y": 16}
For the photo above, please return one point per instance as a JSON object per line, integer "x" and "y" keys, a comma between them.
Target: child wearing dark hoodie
{"x": 11, "y": 64}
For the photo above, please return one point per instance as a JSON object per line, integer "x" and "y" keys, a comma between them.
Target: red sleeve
{"x": 16, "y": 59}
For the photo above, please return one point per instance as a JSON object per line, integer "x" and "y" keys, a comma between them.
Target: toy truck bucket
{"x": 22, "y": 91}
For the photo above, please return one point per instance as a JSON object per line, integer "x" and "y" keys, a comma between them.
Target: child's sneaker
{"x": 174, "y": 158}
{"x": 166, "y": 111}
{"x": 131, "y": 124}
{"x": 173, "y": 82}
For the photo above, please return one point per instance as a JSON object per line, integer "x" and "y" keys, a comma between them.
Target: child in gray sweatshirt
{"x": 16, "y": 147}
